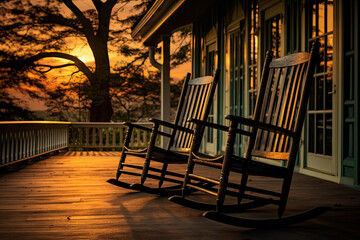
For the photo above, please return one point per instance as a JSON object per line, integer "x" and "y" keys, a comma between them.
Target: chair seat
{"x": 251, "y": 167}
{"x": 136, "y": 152}
{"x": 207, "y": 160}
{"x": 163, "y": 155}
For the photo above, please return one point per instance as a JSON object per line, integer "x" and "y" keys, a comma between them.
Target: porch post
{"x": 165, "y": 78}
{"x": 165, "y": 83}
{"x": 164, "y": 67}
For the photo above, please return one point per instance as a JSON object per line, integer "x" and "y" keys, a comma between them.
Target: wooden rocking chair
{"x": 195, "y": 103}
{"x": 275, "y": 132}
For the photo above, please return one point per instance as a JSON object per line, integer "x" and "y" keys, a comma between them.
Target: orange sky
{"x": 83, "y": 52}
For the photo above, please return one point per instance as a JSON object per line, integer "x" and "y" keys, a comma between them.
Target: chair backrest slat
{"x": 197, "y": 97}
{"x": 289, "y": 121}
{"x": 281, "y": 108}
{"x": 188, "y": 112}
{"x": 282, "y": 102}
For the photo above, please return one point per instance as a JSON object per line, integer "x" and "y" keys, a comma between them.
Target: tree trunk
{"x": 101, "y": 107}
{"x": 101, "y": 112}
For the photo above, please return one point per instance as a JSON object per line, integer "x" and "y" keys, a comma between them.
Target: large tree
{"x": 32, "y": 32}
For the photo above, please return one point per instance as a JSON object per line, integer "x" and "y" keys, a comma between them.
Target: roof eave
{"x": 154, "y": 18}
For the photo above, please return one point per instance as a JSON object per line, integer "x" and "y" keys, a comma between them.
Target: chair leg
{"x": 145, "y": 171}
{"x": 149, "y": 153}
{"x": 243, "y": 183}
{"x": 189, "y": 170}
{"x": 225, "y": 170}
{"x": 284, "y": 195}
{"x": 120, "y": 167}
{"x": 163, "y": 173}
{"x": 123, "y": 154}
{"x": 222, "y": 190}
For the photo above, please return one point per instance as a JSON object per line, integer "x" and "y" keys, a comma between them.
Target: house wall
{"x": 242, "y": 31}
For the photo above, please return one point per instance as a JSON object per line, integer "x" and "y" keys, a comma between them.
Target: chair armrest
{"x": 146, "y": 129}
{"x": 219, "y": 127}
{"x": 137, "y": 126}
{"x": 257, "y": 124}
{"x": 209, "y": 124}
{"x": 171, "y": 125}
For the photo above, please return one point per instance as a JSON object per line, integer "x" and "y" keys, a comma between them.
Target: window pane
{"x": 275, "y": 33}
{"x": 321, "y": 64}
{"x": 311, "y": 133}
{"x": 312, "y": 98}
{"x": 329, "y": 53}
{"x": 328, "y": 135}
{"x": 319, "y": 133}
{"x": 319, "y": 93}
{"x": 314, "y": 18}
{"x": 330, "y": 15}
{"x": 328, "y": 93}
{"x": 321, "y": 18}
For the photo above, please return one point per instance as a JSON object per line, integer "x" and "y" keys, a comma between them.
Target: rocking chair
{"x": 274, "y": 134}
{"x": 195, "y": 102}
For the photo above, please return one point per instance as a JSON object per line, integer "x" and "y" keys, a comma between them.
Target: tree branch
{"x": 50, "y": 67}
{"x": 97, "y": 4}
{"x": 77, "y": 62}
{"x": 104, "y": 12}
{"x": 86, "y": 23}
{"x": 61, "y": 20}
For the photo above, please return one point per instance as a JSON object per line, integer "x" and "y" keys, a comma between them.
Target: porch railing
{"x": 105, "y": 136}
{"x": 24, "y": 140}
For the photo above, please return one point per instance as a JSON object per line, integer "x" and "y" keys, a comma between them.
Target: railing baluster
{"x": 114, "y": 137}
{"x": 121, "y": 136}
{"x": 107, "y": 139}
{"x": 81, "y": 137}
{"x": 87, "y": 143}
{"x": 100, "y": 138}
{"x": 93, "y": 144}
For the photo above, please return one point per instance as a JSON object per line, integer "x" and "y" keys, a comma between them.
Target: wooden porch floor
{"x": 67, "y": 197}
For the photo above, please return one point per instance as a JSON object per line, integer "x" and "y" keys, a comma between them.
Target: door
{"x": 237, "y": 77}
{"x": 350, "y": 85}
{"x": 321, "y": 135}
{"x": 210, "y": 63}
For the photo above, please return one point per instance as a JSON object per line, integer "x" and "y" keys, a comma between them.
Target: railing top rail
{"x": 33, "y": 122}
{"x": 72, "y": 123}
{"x": 10, "y": 125}
{"x": 105, "y": 124}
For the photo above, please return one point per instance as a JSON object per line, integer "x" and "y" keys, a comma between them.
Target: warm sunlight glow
{"x": 84, "y": 54}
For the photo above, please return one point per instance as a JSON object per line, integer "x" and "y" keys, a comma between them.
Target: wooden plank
{"x": 67, "y": 197}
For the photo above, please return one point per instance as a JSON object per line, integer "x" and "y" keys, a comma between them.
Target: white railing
{"x": 23, "y": 140}
{"x": 105, "y": 136}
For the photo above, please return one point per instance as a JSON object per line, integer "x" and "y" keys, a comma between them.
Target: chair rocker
{"x": 195, "y": 102}
{"x": 274, "y": 134}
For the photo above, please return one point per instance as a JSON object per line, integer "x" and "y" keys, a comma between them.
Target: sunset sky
{"x": 79, "y": 48}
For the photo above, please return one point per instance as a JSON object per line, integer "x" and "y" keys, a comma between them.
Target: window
{"x": 209, "y": 70}
{"x": 253, "y": 55}
{"x": 237, "y": 75}
{"x": 292, "y": 16}
{"x": 237, "y": 70}
{"x": 273, "y": 35}
{"x": 320, "y": 112}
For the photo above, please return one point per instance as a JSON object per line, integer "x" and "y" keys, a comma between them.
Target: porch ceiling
{"x": 166, "y": 16}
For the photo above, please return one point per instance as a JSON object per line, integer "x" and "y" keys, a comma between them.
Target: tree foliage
{"x": 38, "y": 38}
